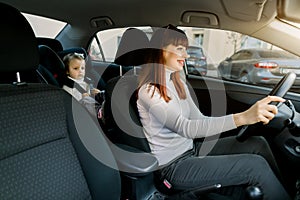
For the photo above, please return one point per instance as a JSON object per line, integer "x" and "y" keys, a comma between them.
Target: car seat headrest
{"x": 54, "y": 44}
{"x": 132, "y": 48}
{"x": 19, "y": 49}
{"x": 79, "y": 50}
{"x": 52, "y": 62}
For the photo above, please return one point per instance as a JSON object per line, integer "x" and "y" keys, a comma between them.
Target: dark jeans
{"x": 229, "y": 163}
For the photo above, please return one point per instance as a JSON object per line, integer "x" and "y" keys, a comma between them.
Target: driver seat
{"x": 126, "y": 129}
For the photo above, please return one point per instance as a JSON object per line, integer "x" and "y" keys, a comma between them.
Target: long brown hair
{"x": 154, "y": 72}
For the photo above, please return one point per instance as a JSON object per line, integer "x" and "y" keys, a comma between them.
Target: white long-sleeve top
{"x": 171, "y": 127}
{"x": 74, "y": 92}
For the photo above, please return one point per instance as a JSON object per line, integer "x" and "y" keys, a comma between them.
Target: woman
{"x": 171, "y": 121}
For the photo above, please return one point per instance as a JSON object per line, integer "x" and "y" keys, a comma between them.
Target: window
{"x": 215, "y": 53}
{"x": 95, "y": 50}
{"x": 105, "y": 44}
{"x": 198, "y": 39}
{"x": 44, "y": 27}
{"x": 236, "y": 57}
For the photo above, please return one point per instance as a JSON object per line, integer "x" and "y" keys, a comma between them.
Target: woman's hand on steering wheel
{"x": 261, "y": 111}
{"x": 279, "y": 90}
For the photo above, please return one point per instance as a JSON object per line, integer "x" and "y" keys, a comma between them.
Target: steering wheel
{"x": 280, "y": 89}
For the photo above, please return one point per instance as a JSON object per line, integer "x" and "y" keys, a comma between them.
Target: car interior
{"x": 52, "y": 148}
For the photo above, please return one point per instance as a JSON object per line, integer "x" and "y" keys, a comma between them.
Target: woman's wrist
{"x": 239, "y": 119}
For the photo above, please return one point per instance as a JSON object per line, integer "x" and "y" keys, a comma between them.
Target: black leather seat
{"x": 50, "y": 146}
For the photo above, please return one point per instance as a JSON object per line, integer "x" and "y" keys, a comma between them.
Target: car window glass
{"x": 43, "y": 26}
{"x": 104, "y": 45}
{"x": 95, "y": 50}
{"x": 236, "y": 57}
{"x": 213, "y": 54}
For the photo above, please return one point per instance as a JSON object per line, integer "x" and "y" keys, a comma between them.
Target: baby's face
{"x": 77, "y": 69}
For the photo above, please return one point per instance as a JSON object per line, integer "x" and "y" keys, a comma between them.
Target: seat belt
{"x": 73, "y": 84}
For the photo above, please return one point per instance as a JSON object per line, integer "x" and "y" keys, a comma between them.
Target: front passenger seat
{"x": 45, "y": 135}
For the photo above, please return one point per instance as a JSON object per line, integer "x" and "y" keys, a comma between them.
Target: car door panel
{"x": 216, "y": 98}
{"x": 238, "y": 96}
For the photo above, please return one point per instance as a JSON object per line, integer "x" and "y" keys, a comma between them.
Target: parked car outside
{"x": 259, "y": 66}
{"x": 196, "y": 63}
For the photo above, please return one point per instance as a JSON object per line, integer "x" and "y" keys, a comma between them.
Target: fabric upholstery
{"x": 17, "y": 40}
{"x": 120, "y": 111}
{"x": 37, "y": 157}
{"x": 121, "y": 115}
{"x": 51, "y": 66}
{"x": 50, "y": 147}
{"x": 132, "y": 48}
{"x": 54, "y": 44}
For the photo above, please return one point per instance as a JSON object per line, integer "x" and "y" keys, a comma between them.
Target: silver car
{"x": 259, "y": 66}
{"x": 196, "y": 63}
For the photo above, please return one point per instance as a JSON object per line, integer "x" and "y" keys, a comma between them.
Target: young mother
{"x": 172, "y": 121}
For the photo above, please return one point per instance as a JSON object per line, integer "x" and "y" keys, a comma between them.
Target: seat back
{"x": 54, "y": 44}
{"x": 120, "y": 110}
{"x": 50, "y": 147}
{"x": 121, "y": 114}
{"x": 51, "y": 67}
{"x": 132, "y": 48}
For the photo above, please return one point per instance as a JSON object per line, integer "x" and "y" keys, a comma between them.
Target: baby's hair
{"x": 67, "y": 58}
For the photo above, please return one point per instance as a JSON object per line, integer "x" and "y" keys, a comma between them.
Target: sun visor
{"x": 245, "y": 10}
{"x": 289, "y": 10}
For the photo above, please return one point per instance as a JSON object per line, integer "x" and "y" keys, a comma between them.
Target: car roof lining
{"x": 138, "y": 15}
{"x": 245, "y": 17}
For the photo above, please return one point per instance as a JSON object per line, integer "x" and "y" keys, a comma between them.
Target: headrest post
{"x": 19, "y": 83}
{"x": 18, "y": 77}
{"x": 134, "y": 70}
{"x": 121, "y": 73}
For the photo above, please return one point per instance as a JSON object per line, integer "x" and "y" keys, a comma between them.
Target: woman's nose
{"x": 186, "y": 55}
